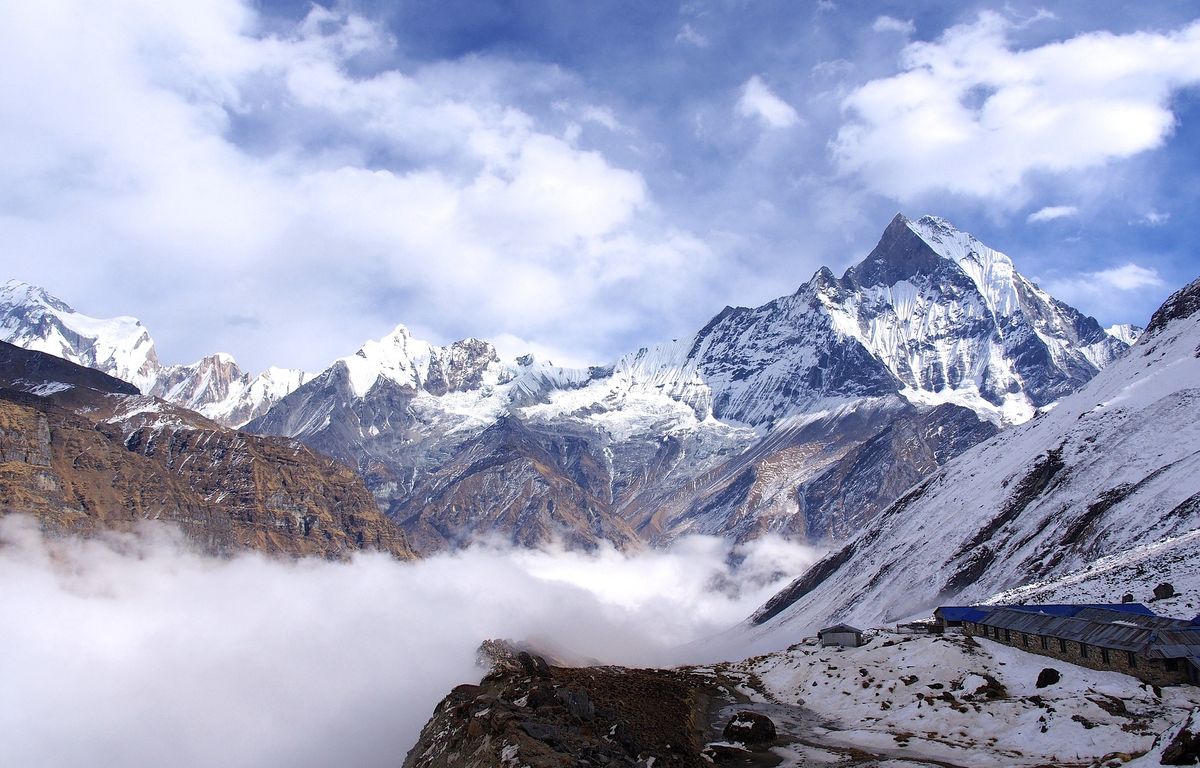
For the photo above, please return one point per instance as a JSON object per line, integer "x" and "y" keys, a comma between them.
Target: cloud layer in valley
{"x": 132, "y": 650}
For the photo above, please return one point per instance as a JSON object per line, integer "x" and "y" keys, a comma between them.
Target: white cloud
{"x": 689, "y": 34}
{"x": 1156, "y": 218}
{"x": 892, "y": 24}
{"x": 1128, "y": 277}
{"x": 830, "y": 69}
{"x": 1097, "y": 288}
{"x": 150, "y": 146}
{"x": 972, "y": 115}
{"x": 826, "y": 6}
{"x": 1052, "y": 212}
{"x": 759, "y": 101}
{"x": 156, "y": 656}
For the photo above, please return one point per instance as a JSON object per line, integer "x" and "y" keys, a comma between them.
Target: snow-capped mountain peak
{"x": 1124, "y": 332}
{"x": 992, "y": 271}
{"x": 214, "y": 386}
{"x": 1114, "y": 466}
{"x": 397, "y": 356}
{"x": 419, "y": 365}
{"x": 120, "y": 346}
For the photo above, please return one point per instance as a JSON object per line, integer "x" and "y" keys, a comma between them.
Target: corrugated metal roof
{"x": 840, "y": 628}
{"x": 1074, "y": 609}
{"x": 1175, "y": 643}
{"x": 1122, "y": 637}
{"x": 1146, "y": 635}
{"x": 1106, "y": 614}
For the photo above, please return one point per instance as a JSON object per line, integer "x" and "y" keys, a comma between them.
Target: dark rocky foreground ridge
{"x": 83, "y": 452}
{"x": 526, "y": 712}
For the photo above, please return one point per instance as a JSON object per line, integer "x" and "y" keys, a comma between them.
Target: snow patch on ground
{"x": 953, "y": 699}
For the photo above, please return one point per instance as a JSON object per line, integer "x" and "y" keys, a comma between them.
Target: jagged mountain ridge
{"x": 714, "y": 433}
{"x": 804, "y": 416}
{"x": 1112, "y": 468}
{"x": 214, "y": 386}
{"x": 83, "y": 452}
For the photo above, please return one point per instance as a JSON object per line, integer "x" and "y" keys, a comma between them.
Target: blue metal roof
{"x": 972, "y": 613}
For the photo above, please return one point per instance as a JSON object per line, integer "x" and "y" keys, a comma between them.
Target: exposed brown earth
{"x": 94, "y": 457}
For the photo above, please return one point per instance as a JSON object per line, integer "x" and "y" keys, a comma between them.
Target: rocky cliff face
{"x": 83, "y": 452}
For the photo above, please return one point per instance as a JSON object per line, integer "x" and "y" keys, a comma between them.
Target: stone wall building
{"x": 1159, "y": 650}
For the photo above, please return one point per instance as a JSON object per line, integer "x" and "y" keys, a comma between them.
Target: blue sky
{"x": 284, "y": 180}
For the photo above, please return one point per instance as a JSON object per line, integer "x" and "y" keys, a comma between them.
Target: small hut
{"x": 842, "y": 635}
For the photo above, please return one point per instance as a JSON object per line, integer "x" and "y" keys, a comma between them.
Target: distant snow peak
{"x": 214, "y": 386}
{"x": 1124, "y": 332}
{"x": 121, "y": 346}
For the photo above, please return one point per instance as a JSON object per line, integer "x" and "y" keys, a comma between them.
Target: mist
{"x": 135, "y": 650}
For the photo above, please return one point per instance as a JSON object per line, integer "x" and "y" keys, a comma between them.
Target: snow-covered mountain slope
{"x": 1113, "y": 467}
{"x": 804, "y": 416}
{"x": 1135, "y": 572}
{"x": 955, "y": 322}
{"x": 122, "y": 347}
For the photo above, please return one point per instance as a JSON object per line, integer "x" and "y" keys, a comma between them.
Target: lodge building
{"x": 1127, "y": 638}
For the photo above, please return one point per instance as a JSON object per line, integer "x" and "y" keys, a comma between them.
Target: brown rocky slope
{"x": 83, "y": 452}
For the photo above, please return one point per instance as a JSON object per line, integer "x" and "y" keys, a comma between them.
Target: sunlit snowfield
{"x": 135, "y": 650}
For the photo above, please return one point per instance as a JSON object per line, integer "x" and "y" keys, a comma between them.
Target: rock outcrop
{"x": 528, "y": 713}
{"x": 83, "y": 452}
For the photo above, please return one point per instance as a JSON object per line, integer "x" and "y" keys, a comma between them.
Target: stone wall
{"x": 1150, "y": 670}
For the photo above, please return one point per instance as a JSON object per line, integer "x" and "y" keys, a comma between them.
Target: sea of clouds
{"x": 135, "y": 650}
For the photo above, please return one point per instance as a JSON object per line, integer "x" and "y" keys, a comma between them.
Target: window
{"x": 1171, "y": 664}
{"x": 1062, "y": 645}
{"x": 1045, "y": 642}
{"x": 1024, "y": 639}
{"x": 1104, "y": 655}
{"x": 1132, "y": 658}
{"x": 1007, "y": 636}
{"x": 1083, "y": 650}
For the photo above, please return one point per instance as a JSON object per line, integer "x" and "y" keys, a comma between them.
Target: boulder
{"x": 750, "y": 728}
{"x": 534, "y": 666}
{"x": 1164, "y": 590}
{"x": 1048, "y": 676}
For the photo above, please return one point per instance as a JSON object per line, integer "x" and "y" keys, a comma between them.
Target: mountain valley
{"x": 803, "y": 417}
